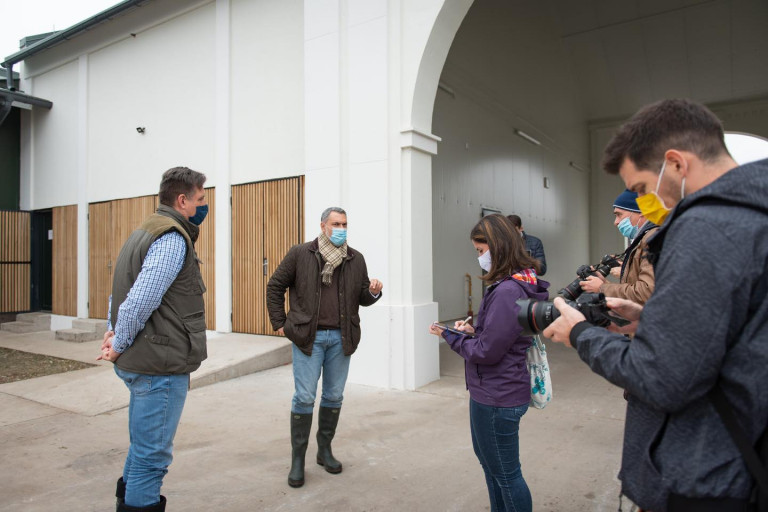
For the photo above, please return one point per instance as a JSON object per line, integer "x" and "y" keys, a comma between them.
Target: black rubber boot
{"x": 326, "y": 429}
{"x": 157, "y": 507}
{"x": 119, "y": 493}
{"x": 301, "y": 427}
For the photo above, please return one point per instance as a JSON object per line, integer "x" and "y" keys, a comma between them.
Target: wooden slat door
{"x": 206, "y": 252}
{"x": 64, "y": 265}
{"x": 109, "y": 226}
{"x": 15, "y": 261}
{"x": 267, "y": 219}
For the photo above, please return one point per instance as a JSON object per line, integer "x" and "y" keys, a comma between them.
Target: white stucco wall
{"x": 159, "y": 80}
{"x": 506, "y": 71}
{"x": 481, "y": 162}
{"x": 52, "y": 178}
{"x": 267, "y": 90}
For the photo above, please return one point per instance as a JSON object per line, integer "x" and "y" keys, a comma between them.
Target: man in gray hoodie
{"x": 705, "y": 325}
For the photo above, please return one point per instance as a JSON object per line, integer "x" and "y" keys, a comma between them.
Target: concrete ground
{"x": 63, "y": 439}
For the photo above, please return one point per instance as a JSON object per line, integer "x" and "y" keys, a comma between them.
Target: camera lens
{"x": 572, "y": 291}
{"x": 536, "y": 315}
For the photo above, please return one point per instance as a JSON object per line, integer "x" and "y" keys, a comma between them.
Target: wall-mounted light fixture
{"x": 521, "y": 133}
{"x": 577, "y": 167}
{"x": 140, "y": 129}
{"x": 447, "y": 89}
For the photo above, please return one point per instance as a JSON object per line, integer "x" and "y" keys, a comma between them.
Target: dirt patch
{"x": 18, "y": 365}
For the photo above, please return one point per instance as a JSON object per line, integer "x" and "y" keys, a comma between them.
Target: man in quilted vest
{"x": 156, "y": 334}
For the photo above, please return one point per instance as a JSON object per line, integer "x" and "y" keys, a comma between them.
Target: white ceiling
{"x": 620, "y": 54}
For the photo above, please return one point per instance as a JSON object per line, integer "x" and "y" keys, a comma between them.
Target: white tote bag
{"x": 538, "y": 367}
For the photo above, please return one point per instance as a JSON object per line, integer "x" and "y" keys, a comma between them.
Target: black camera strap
{"x": 751, "y": 459}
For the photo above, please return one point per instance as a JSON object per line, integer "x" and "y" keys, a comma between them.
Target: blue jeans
{"x": 496, "y": 440}
{"x": 328, "y": 356}
{"x": 153, "y": 415}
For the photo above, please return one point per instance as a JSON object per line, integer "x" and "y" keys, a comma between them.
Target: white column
{"x": 222, "y": 171}
{"x": 82, "y": 189}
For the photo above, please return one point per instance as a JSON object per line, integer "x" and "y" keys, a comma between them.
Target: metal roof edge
{"x": 70, "y": 32}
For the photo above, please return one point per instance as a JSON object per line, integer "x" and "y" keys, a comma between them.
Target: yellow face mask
{"x": 652, "y": 205}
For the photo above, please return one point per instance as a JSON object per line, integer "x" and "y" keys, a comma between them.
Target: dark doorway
{"x": 42, "y": 258}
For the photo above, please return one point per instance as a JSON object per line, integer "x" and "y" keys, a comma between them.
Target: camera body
{"x": 573, "y": 290}
{"x": 536, "y": 315}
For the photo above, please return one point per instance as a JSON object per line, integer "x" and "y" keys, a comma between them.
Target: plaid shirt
{"x": 161, "y": 266}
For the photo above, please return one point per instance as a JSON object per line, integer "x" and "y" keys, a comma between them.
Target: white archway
{"x": 745, "y": 147}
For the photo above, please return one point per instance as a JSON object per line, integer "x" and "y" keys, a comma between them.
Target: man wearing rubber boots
{"x": 327, "y": 282}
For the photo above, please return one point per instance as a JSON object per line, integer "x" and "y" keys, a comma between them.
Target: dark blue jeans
{"x": 496, "y": 440}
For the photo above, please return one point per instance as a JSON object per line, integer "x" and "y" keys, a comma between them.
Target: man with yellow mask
{"x": 700, "y": 350}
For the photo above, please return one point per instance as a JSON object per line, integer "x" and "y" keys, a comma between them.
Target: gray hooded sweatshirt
{"x": 706, "y": 323}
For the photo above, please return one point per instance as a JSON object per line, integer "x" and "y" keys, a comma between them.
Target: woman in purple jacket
{"x": 494, "y": 353}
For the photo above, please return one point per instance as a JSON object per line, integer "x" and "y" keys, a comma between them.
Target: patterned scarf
{"x": 527, "y": 276}
{"x": 332, "y": 255}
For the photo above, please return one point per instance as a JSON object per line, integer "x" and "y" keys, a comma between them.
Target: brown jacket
{"x": 637, "y": 280}
{"x": 299, "y": 273}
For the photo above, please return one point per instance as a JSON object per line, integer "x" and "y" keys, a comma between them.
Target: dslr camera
{"x": 573, "y": 290}
{"x": 536, "y": 315}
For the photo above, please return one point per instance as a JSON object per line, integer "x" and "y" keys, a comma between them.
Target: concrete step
{"x": 41, "y": 320}
{"x": 24, "y": 327}
{"x": 33, "y": 317}
{"x": 77, "y": 335}
{"x": 90, "y": 324}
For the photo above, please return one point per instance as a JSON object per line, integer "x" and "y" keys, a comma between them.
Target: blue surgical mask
{"x": 199, "y": 216}
{"x": 627, "y": 229}
{"x": 485, "y": 260}
{"x": 338, "y": 236}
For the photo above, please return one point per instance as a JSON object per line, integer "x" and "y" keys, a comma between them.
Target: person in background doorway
{"x": 532, "y": 244}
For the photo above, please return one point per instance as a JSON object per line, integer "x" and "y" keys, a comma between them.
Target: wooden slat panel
{"x": 247, "y": 250}
{"x": 281, "y": 202}
{"x": 109, "y": 226}
{"x": 16, "y": 288}
{"x": 127, "y": 215}
{"x": 15, "y": 229}
{"x": 65, "y": 260}
{"x": 267, "y": 219}
{"x": 206, "y": 252}
{"x": 99, "y": 258}
{"x": 15, "y": 254}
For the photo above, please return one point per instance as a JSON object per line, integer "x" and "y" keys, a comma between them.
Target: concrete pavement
{"x": 63, "y": 439}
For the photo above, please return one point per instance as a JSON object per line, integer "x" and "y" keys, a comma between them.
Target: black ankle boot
{"x": 326, "y": 429}
{"x": 157, "y": 507}
{"x": 301, "y": 427}
{"x": 119, "y": 493}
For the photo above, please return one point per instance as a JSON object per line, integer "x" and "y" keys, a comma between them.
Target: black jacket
{"x": 536, "y": 249}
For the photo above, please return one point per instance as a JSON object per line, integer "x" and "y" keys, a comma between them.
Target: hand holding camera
{"x": 601, "y": 270}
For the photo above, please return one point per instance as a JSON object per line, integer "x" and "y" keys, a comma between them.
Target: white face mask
{"x": 485, "y": 260}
